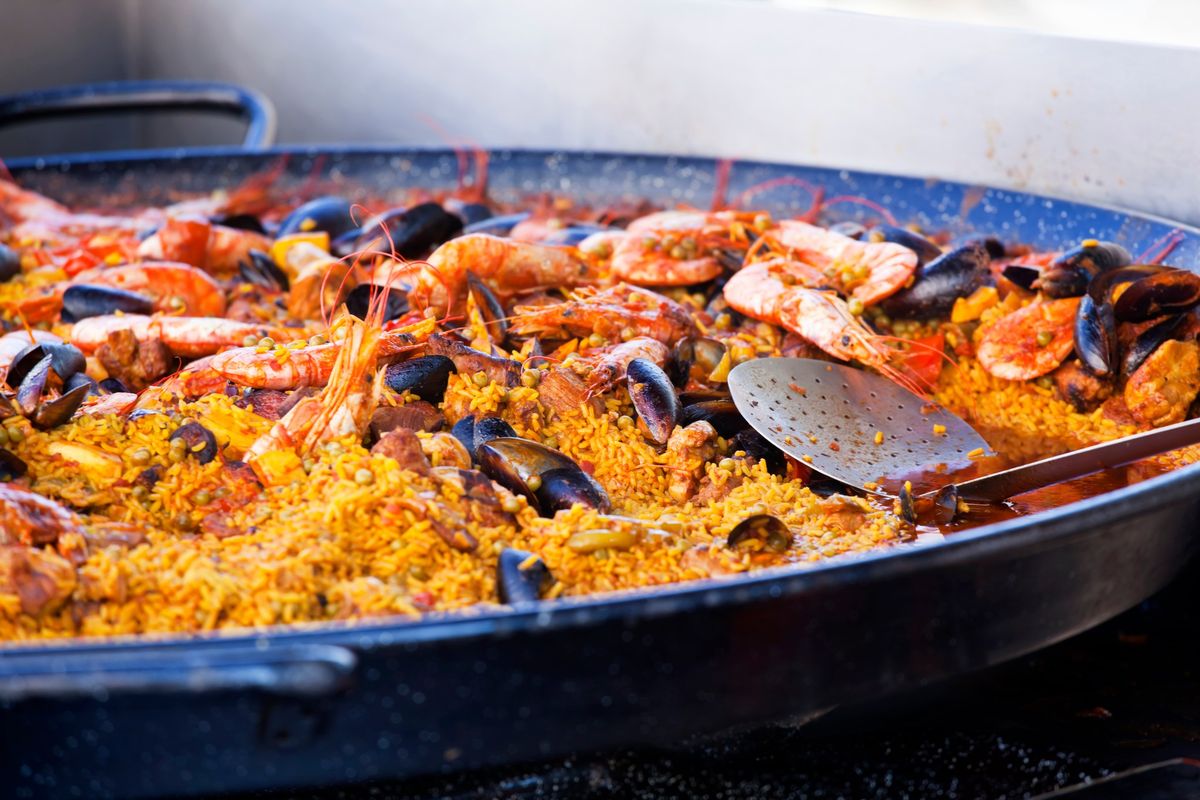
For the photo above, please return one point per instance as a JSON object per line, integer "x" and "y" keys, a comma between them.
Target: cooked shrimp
{"x": 506, "y": 266}
{"x": 618, "y": 312}
{"x": 819, "y": 317}
{"x": 1030, "y": 342}
{"x": 174, "y": 287}
{"x": 688, "y": 450}
{"x": 606, "y": 365}
{"x": 213, "y": 248}
{"x": 865, "y": 271}
{"x": 676, "y": 248}
{"x": 1162, "y": 389}
{"x": 310, "y": 365}
{"x": 188, "y": 337}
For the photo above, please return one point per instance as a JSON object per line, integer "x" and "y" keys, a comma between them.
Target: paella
{"x": 243, "y": 410}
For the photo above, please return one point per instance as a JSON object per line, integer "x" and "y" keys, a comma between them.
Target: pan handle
{"x": 294, "y": 670}
{"x": 90, "y": 98}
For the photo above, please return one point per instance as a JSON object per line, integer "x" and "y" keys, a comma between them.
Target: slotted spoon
{"x": 866, "y": 431}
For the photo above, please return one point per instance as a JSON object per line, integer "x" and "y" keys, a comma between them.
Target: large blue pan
{"x": 393, "y": 698}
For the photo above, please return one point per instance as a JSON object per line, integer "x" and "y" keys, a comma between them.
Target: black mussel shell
{"x": 469, "y": 213}
{"x": 731, "y": 259}
{"x": 490, "y": 308}
{"x": 945, "y": 505}
{"x": 1148, "y": 341}
{"x": 693, "y": 396}
{"x": 426, "y": 377}
{"x": 488, "y": 428}
{"x": 755, "y": 445}
{"x": 464, "y": 431}
{"x": 55, "y": 412}
{"x": 1070, "y": 273}
{"x": 653, "y": 397}
{"x": 497, "y": 226}
{"x": 721, "y": 414}
{"x": 112, "y": 386}
{"x": 11, "y": 466}
{"x": 513, "y": 462}
{"x": 411, "y": 232}
{"x": 241, "y": 222}
{"x": 1169, "y": 291}
{"x": 1095, "y": 335}
{"x": 84, "y": 300}
{"x": 907, "y": 504}
{"x": 10, "y": 263}
{"x": 333, "y": 215}
{"x": 200, "y": 441}
{"x": 65, "y": 360}
{"x": 940, "y": 282}
{"x": 82, "y": 379}
{"x": 926, "y": 250}
{"x": 261, "y": 270}
{"x": 771, "y": 531}
{"x": 567, "y": 486}
{"x": 1022, "y": 275}
{"x": 359, "y": 301}
{"x": 32, "y": 386}
{"x": 521, "y": 577}
{"x": 695, "y": 357}
{"x": 855, "y": 230}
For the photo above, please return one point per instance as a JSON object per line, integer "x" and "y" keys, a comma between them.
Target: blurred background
{"x": 1090, "y": 100}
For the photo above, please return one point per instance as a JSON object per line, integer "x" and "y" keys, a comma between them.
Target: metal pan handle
{"x": 304, "y": 670}
{"x": 90, "y": 98}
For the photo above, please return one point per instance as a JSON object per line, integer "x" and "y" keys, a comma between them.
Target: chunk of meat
{"x": 403, "y": 445}
{"x": 562, "y": 391}
{"x": 265, "y": 402}
{"x": 1164, "y": 386}
{"x": 137, "y": 365}
{"x": 688, "y": 450}
{"x": 1081, "y": 388}
{"x": 467, "y": 360}
{"x": 30, "y": 519}
{"x": 41, "y": 579}
{"x": 712, "y": 491}
{"x": 415, "y": 416}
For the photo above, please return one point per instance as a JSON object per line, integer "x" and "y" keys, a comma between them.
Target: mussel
{"x": 331, "y": 214}
{"x": 426, "y": 377}
{"x": 489, "y": 306}
{"x": 755, "y": 445}
{"x": 10, "y": 263}
{"x": 52, "y": 413}
{"x": 469, "y": 213}
{"x": 721, "y": 414}
{"x": 940, "y": 282}
{"x": 926, "y": 250}
{"x": 1168, "y": 291}
{"x": 11, "y": 466}
{"x": 197, "y": 440}
{"x": 1022, "y": 275}
{"x": 1070, "y": 273}
{"x": 521, "y": 577}
{"x": 358, "y": 301}
{"x": 653, "y": 397}
{"x": 1095, "y": 334}
{"x": 65, "y": 360}
{"x": 410, "y": 232}
{"x": 696, "y": 357}
{"x": 487, "y": 429}
{"x": 771, "y": 531}
{"x": 550, "y": 480}
{"x": 241, "y": 222}
{"x": 83, "y": 300}
{"x": 261, "y": 270}
{"x": 1148, "y": 341}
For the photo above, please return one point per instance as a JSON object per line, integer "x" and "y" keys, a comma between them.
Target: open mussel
{"x": 261, "y": 270}
{"x": 774, "y": 534}
{"x": 926, "y": 250}
{"x": 10, "y": 263}
{"x": 521, "y": 577}
{"x": 698, "y": 358}
{"x": 940, "y": 282}
{"x": 1167, "y": 291}
{"x": 83, "y": 300}
{"x": 472, "y": 433}
{"x": 65, "y": 361}
{"x": 1149, "y": 340}
{"x": 52, "y": 413}
{"x": 1022, "y": 275}
{"x": 1096, "y": 335}
{"x": 653, "y": 397}
{"x": 490, "y": 309}
{"x": 409, "y": 232}
{"x": 426, "y": 377}
{"x": 550, "y": 480}
{"x": 358, "y": 301}
{"x": 721, "y": 414}
{"x": 1070, "y": 273}
{"x": 331, "y": 214}
{"x": 756, "y": 446}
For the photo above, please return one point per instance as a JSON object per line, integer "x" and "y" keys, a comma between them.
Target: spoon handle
{"x": 1077, "y": 463}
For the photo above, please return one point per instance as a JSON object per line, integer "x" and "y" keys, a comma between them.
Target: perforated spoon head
{"x": 854, "y": 426}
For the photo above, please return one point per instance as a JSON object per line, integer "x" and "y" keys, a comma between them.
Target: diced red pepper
{"x": 925, "y": 360}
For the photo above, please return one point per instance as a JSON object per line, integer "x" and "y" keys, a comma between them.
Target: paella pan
{"x": 634, "y": 669}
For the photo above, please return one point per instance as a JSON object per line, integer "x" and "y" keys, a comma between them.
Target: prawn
{"x": 504, "y": 265}
{"x": 864, "y": 271}
{"x": 186, "y": 337}
{"x": 818, "y": 316}
{"x": 607, "y": 365}
{"x": 618, "y": 312}
{"x": 216, "y": 249}
{"x": 677, "y": 248}
{"x": 1031, "y": 341}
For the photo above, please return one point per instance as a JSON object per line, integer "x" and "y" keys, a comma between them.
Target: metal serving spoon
{"x": 866, "y": 431}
